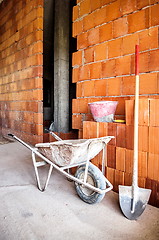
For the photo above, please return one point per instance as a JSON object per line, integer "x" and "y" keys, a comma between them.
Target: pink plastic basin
{"x": 103, "y": 111}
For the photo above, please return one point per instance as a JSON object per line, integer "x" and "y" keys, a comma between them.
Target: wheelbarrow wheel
{"x": 95, "y": 178}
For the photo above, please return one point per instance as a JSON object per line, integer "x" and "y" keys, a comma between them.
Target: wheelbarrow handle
{"x": 11, "y": 135}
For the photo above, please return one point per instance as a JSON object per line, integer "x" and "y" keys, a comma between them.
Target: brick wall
{"x": 103, "y": 69}
{"x": 103, "y": 66}
{"x": 21, "y": 47}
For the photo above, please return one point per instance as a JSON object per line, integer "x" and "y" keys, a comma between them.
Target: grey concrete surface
{"x": 58, "y": 213}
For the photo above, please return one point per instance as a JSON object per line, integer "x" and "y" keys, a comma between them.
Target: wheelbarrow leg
{"x": 39, "y": 164}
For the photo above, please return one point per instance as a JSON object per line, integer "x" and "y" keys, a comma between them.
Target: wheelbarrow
{"x": 90, "y": 183}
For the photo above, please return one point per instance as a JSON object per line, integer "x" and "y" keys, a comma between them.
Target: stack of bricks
{"x": 119, "y": 158}
{"x": 103, "y": 65}
{"x": 21, "y": 60}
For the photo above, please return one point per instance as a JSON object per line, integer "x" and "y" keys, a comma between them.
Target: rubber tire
{"x": 99, "y": 182}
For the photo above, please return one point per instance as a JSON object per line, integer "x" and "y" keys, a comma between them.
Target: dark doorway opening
{"x": 58, "y": 89}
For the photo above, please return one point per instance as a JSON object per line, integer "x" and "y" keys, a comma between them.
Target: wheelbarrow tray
{"x": 68, "y": 152}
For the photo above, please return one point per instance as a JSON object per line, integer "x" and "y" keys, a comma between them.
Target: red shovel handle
{"x": 137, "y": 60}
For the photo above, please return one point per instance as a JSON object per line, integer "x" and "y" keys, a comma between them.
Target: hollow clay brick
{"x": 95, "y": 70}
{"x": 128, "y": 6}
{"x": 100, "y": 16}
{"x": 100, "y": 87}
{"x": 111, "y": 156}
{"x": 153, "y": 140}
{"x": 89, "y": 55}
{"x": 119, "y": 179}
{"x": 101, "y": 51}
{"x": 108, "y": 68}
{"x": 77, "y": 58}
{"x": 153, "y": 166}
{"x": 121, "y": 135}
{"x": 110, "y": 175}
{"x": 85, "y": 7}
{"x": 120, "y": 159}
{"x": 154, "y": 106}
{"x": 120, "y": 27}
{"x": 105, "y": 32}
{"x": 88, "y": 22}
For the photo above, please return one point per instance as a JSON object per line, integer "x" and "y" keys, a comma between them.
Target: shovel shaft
{"x": 136, "y": 116}
{"x": 135, "y": 163}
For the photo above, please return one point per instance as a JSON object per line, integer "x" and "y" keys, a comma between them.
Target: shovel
{"x": 133, "y": 199}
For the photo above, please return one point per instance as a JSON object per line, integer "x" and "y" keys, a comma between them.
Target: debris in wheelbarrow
{"x": 90, "y": 183}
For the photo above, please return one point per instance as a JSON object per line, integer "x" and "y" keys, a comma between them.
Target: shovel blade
{"x": 126, "y": 199}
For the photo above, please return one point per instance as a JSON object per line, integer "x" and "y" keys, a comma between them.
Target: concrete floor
{"x": 58, "y": 213}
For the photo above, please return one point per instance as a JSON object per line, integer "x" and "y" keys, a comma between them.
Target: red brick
{"x": 149, "y": 83}
{"x": 85, "y": 7}
{"x": 112, "y": 131}
{"x": 154, "y": 106}
{"x": 77, "y": 121}
{"x": 128, "y": 6}
{"x": 105, "y": 32}
{"x": 88, "y": 22}
{"x": 154, "y": 20}
{"x": 83, "y": 105}
{"x": 101, "y": 51}
{"x": 93, "y": 36}
{"x": 120, "y": 159}
{"x": 144, "y": 112}
{"x": 89, "y": 55}
{"x": 77, "y": 58}
{"x": 153, "y": 140}
{"x": 141, "y": 3}
{"x": 154, "y": 59}
{"x": 119, "y": 179}
{"x": 95, "y": 70}
{"x": 88, "y": 88}
{"x": 113, "y": 11}
{"x": 100, "y": 87}
{"x": 82, "y": 41}
{"x": 129, "y": 111}
{"x": 127, "y": 179}
{"x": 120, "y": 27}
{"x": 143, "y": 138}
{"x": 110, "y": 174}
{"x": 148, "y": 39}
{"x": 128, "y": 48}
{"x": 142, "y": 164}
{"x": 79, "y": 89}
{"x": 100, "y": 16}
{"x": 75, "y": 13}
{"x": 137, "y": 21}
{"x": 153, "y": 166}
{"x": 95, "y": 5}
{"x": 128, "y": 87}
{"x": 129, "y": 161}
{"x": 114, "y": 48}
{"x": 121, "y": 135}
{"x": 111, "y": 156}
{"x": 103, "y": 129}
{"x": 75, "y": 75}
{"x": 84, "y": 72}
{"x": 108, "y": 68}
{"x": 75, "y": 106}
{"x": 77, "y": 28}
{"x": 123, "y": 65}
{"x": 129, "y": 137}
{"x": 105, "y": 2}
{"x": 114, "y": 86}
{"x": 152, "y": 184}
